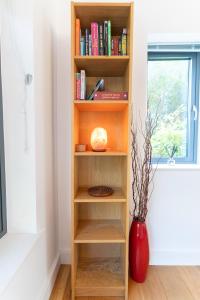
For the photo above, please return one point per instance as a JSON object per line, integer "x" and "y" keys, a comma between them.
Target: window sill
{"x": 14, "y": 248}
{"x": 177, "y": 167}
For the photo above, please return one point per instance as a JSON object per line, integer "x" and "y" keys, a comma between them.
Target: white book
{"x": 83, "y": 85}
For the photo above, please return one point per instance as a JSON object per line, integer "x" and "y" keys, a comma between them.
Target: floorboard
{"x": 163, "y": 283}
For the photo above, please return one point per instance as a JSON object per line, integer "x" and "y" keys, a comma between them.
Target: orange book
{"x": 77, "y": 38}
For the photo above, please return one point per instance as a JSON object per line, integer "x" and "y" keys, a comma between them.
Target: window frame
{"x": 3, "y": 214}
{"x": 191, "y": 157}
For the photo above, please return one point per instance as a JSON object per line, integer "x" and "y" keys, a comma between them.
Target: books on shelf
{"x": 81, "y": 85}
{"x": 110, "y": 95}
{"x": 98, "y": 92}
{"x": 98, "y": 40}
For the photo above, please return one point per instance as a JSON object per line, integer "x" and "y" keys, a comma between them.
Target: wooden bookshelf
{"x": 100, "y": 226}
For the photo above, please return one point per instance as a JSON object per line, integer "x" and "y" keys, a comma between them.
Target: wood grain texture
{"x": 163, "y": 283}
{"x": 83, "y": 196}
{"x": 62, "y": 286}
{"x": 100, "y": 231}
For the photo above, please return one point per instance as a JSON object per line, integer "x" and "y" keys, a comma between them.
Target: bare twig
{"x": 142, "y": 168}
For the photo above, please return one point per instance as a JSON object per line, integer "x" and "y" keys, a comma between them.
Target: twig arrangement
{"x": 143, "y": 173}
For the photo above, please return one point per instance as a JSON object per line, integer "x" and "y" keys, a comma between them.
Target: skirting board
{"x": 65, "y": 256}
{"x": 175, "y": 258}
{"x": 50, "y": 280}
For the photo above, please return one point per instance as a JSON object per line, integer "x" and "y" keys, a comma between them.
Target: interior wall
{"x": 26, "y": 44}
{"x": 172, "y": 222}
{"x": 18, "y": 112}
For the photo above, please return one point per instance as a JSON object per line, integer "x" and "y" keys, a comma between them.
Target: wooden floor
{"x": 163, "y": 283}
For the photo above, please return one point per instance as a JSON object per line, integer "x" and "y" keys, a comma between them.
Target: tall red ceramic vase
{"x": 138, "y": 251}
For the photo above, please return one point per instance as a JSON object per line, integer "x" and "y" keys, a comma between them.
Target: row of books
{"x": 98, "y": 92}
{"x": 98, "y": 40}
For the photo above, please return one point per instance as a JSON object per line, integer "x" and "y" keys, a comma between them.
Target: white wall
{"x": 19, "y": 136}
{"x": 31, "y": 200}
{"x": 173, "y": 220}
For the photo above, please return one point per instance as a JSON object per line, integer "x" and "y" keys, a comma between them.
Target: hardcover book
{"x": 90, "y": 44}
{"x": 111, "y": 95}
{"x": 78, "y": 86}
{"x": 94, "y": 34}
{"x": 83, "y": 85}
{"x": 86, "y": 41}
{"x": 77, "y": 37}
{"x": 101, "y": 44}
{"x": 105, "y": 33}
{"x": 124, "y": 42}
{"x": 115, "y": 45}
{"x": 82, "y": 45}
{"x": 109, "y": 38}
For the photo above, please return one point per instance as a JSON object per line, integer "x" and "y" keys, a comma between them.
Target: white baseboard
{"x": 50, "y": 280}
{"x": 65, "y": 256}
{"x": 184, "y": 258}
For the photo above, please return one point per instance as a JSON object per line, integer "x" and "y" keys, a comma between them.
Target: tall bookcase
{"x": 100, "y": 226}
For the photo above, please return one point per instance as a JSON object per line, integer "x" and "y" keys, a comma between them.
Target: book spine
{"x": 101, "y": 46}
{"x": 111, "y": 96}
{"x": 109, "y": 38}
{"x": 120, "y": 47}
{"x": 115, "y": 45}
{"x": 86, "y": 41}
{"x": 105, "y": 37}
{"x": 124, "y": 42}
{"x": 78, "y": 86}
{"x": 94, "y": 34}
{"x": 112, "y": 46}
{"x": 83, "y": 85}
{"x": 90, "y": 44}
{"x": 77, "y": 37}
{"x": 82, "y": 45}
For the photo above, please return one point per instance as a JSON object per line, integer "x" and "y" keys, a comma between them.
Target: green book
{"x": 109, "y": 38}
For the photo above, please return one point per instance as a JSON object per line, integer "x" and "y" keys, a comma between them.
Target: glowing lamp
{"x": 99, "y": 139}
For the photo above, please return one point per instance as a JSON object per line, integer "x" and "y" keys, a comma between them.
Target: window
{"x": 3, "y": 225}
{"x": 173, "y": 93}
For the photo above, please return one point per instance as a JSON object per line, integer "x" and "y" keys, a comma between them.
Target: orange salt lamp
{"x": 99, "y": 139}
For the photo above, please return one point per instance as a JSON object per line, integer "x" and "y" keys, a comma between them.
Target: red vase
{"x": 138, "y": 251}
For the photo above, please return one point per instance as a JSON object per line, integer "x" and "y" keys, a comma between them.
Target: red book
{"x": 77, "y": 37}
{"x": 111, "y": 96}
{"x": 95, "y": 41}
{"x": 115, "y": 45}
{"x": 78, "y": 86}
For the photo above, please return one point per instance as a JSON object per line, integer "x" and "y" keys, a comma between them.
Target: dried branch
{"x": 143, "y": 173}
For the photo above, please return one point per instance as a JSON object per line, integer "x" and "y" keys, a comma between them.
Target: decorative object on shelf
{"x": 99, "y": 139}
{"x": 142, "y": 178}
{"x": 100, "y": 86}
{"x": 171, "y": 151}
{"x": 100, "y": 191}
{"x": 80, "y": 147}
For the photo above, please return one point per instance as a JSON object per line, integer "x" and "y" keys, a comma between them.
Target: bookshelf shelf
{"x": 83, "y": 196}
{"x": 101, "y": 105}
{"x": 100, "y": 277}
{"x": 106, "y": 153}
{"x": 102, "y": 57}
{"x": 95, "y": 65}
{"x": 99, "y": 231}
{"x": 100, "y": 225}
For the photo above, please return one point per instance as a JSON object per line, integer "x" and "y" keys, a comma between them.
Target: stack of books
{"x": 98, "y": 40}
